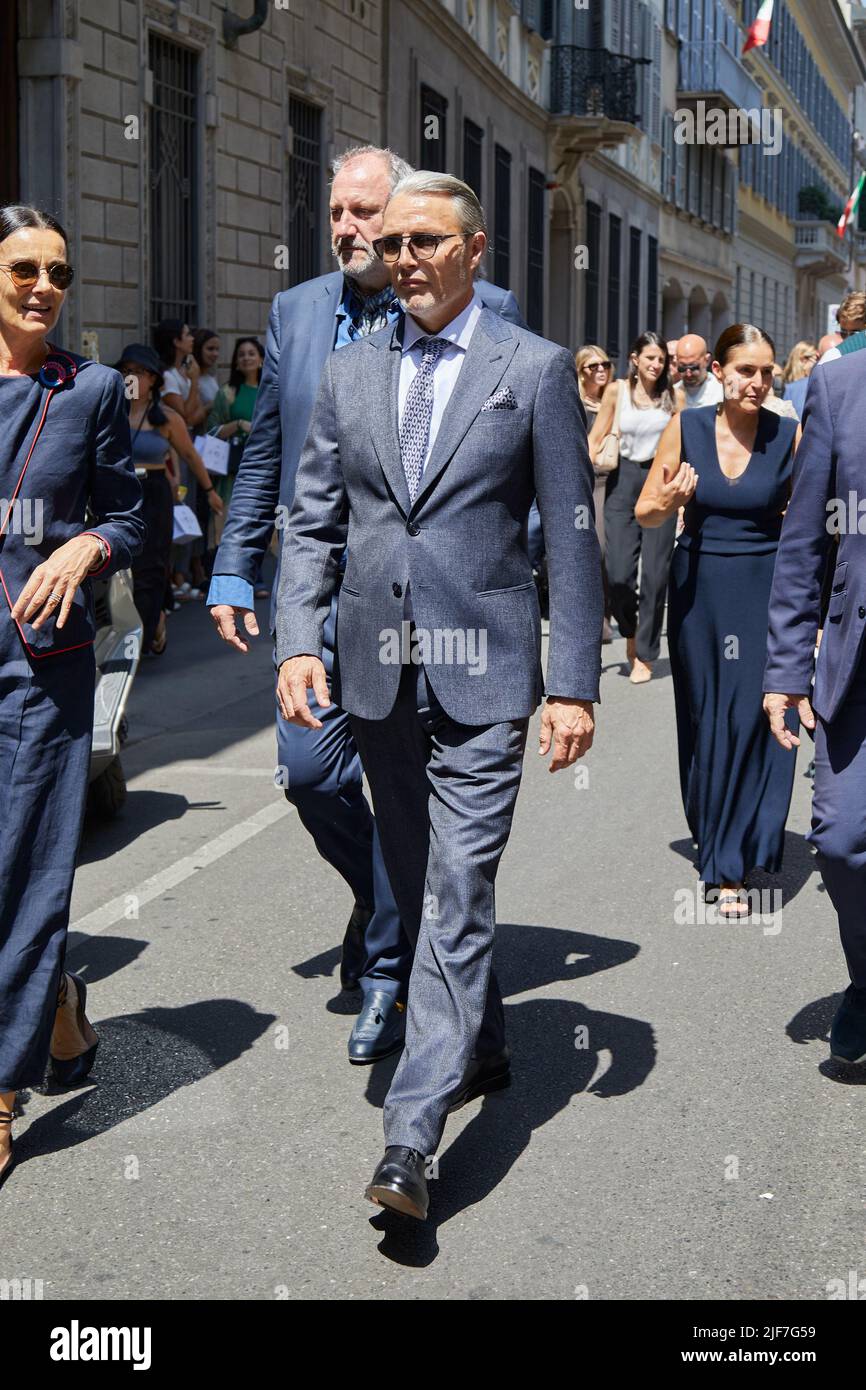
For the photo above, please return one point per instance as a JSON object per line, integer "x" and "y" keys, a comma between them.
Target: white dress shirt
{"x": 457, "y": 334}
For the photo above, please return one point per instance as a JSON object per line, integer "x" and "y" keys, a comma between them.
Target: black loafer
{"x": 399, "y": 1183}
{"x": 353, "y": 956}
{"x": 483, "y": 1075}
{"x": 379, "y": 1030}
{"x": 848, "y": 1029}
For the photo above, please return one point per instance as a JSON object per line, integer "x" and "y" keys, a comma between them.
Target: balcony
{"x": 860, "y": 248}
{"x": 593, "y": 95}
{"x": 818, "y": 250}
{"x": 711, "y": 72}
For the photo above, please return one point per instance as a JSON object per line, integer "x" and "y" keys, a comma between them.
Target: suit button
{"x": 413, "y": 529}
{"x": 397, "y": 589}
{"x": 861, "y": 612}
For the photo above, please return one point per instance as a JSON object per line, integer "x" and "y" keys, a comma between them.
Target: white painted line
{"x": 209, "y": 769}
{"x": 117, "y": 909}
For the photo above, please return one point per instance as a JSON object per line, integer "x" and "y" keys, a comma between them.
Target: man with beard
{"x": 320, "y": 768}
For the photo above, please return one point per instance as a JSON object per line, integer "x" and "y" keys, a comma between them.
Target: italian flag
{"x": 850, "y": 207}
{"x": 760, "y": 29}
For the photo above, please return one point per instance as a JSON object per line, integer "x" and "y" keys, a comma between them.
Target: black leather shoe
{"x": 483, "y": 1075}
{"x": 379, "y": 1028}
{"x": 354, "y": 954}
{"x": 399, "y": 1183}
{"x": 848, "y": 1029}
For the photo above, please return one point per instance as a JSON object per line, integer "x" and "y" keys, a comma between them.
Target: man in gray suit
{"x": 427, "y": 443}
{"x": 322, "y": 771}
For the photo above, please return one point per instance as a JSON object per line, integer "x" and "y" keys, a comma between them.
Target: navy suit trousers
{"x": 839, "y": 820}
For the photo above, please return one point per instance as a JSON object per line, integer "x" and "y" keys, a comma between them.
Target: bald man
{"x": 696, "y": 386}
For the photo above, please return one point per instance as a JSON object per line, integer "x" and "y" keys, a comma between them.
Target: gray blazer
{"x": 461, "y": 545}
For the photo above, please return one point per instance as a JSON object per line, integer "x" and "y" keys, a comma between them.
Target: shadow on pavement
{"x": 143, "y": 811}
{"x": 142, "y": 1059}
{"x": 557, "y": 1048}
{"x": 798, "y": 866}
{"x": 548, "y": 1070}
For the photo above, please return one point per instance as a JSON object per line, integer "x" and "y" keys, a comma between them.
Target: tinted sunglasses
{"x": 598, "y": 366}
{"x": 423, "y": 245}
{"x": 25, "y": 274}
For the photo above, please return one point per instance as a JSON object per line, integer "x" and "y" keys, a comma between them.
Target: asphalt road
{"x": 674, "y": 1130}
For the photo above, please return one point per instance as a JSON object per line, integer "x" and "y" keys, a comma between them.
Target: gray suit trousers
{"x": 444, "y": 796}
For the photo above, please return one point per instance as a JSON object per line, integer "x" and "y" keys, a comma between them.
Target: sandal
{"x": 732, "y": 904}
{"x": 6, "y": 1118}
{"x": 160, "y": 641}
{"x": 71, "y": 1071}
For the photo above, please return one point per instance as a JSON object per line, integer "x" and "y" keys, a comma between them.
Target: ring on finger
{"x": 55, "y": 598}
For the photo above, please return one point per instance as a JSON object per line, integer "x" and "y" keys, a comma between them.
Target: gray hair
{"x": 397, "y": 168}
{"x": 470, "y": 213}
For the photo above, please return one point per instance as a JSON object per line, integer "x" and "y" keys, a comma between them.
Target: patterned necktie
{"x": 417, "y": 413}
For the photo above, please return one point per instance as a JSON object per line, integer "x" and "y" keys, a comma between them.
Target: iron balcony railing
{"x": 594, "y": 82}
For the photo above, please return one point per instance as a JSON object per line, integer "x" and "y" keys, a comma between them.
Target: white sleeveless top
{"x": 640, "y": 430}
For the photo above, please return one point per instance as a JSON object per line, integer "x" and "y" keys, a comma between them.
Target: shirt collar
{"x": 458, "y": 331}
{"x": 353, "y": 304}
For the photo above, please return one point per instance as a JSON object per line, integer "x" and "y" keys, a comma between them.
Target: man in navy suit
{"x": 321, "y": 771}
{"x": 826, "y": 505}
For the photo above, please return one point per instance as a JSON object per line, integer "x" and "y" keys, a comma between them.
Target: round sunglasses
{"x": 25, "y": 274}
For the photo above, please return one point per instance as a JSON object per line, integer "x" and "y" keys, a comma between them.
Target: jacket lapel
{"x": 490, "y": 350}
{"x": 384, "y": 400}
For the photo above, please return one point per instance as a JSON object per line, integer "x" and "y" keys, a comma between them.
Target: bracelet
{"x": 206, "y": 490}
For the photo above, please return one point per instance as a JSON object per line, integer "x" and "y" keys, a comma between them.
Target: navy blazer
{"x": 82, "y": 459}
{"x": 827, "y": 485}
{"x": 301, "y": 331}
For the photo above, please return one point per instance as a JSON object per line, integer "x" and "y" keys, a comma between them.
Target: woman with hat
{"x": 154, "y": 427}
{"x": 64, "y": 447}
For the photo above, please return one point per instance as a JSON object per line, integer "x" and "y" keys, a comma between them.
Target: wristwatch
{"x": 104, "y": 553}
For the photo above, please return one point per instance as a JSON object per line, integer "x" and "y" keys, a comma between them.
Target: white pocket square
{"x": 503, "y": 399}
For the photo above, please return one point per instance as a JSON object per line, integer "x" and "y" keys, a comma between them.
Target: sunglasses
{"x": 422, "y": 245}
{"x": 598, "y": 366}
{"x": 25, "y": 274}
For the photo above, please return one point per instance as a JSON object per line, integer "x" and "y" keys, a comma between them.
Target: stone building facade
{"x": 189, "y": 172}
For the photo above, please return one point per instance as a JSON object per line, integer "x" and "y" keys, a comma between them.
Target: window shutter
{"x": 655, "y": 71}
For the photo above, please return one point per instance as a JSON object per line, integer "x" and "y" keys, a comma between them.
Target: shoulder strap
{"x": 618, "y": 411}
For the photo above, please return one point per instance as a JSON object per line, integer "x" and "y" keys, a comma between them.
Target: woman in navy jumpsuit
{"x": 64, "y": 446}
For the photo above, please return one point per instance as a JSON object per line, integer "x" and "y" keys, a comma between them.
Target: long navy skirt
{"x": 46, "y": 723}
{"x": 736, "y": 781}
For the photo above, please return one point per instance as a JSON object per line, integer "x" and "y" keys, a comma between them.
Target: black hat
{"x": 142, "y": 356}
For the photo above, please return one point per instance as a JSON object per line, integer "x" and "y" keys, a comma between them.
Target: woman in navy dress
{"x": 729, "y": 467}
{"x": 64, "y": 446}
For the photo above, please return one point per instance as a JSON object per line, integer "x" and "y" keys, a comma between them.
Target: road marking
{"x": 117, "y": 909}
{"x": 208, "y": 770}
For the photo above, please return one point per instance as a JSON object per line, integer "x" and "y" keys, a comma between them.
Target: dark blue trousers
{"x": 323, "y": 779}
{"x": 46, "y": 723}
{"x": 839, "y": 820}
